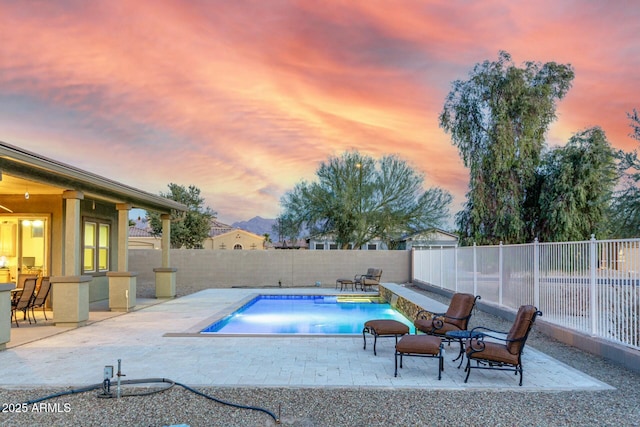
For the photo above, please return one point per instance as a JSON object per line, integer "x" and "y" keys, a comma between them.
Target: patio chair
{"x": 456, "y": 317}
{"x": 370, "y": 279}
{"x": 23, "y": 300}
{"x": 40, "y": 297}
{"x": 496, "y": 352}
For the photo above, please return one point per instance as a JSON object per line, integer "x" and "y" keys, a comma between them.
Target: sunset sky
{"x": 244, "y": 98}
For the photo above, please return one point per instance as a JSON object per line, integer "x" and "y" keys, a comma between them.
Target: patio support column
{"x": 70, "y": 292}
{"x": 122, "y": 283}
{"x": 5, "y": 313}
{"x": 165, "y": 275}
{"x": 72, "y": 233}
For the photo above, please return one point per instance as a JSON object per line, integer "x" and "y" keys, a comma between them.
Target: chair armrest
{"x": 423, "y": 313}
{"x": 482, "y": 332}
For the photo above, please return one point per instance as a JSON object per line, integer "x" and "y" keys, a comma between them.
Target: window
{"x": 89, "y": 246}
{"x": 372, "y": 246}
{"x": 97, "y": 244}
{"x": 319, "y": 246}
{"x": 237, "y": 247}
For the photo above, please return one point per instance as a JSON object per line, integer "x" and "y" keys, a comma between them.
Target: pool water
{"x": 305, "y": 315}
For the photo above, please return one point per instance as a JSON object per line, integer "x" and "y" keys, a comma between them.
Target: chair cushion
{"x": 460, "y": 307}
{"x": 520, "y": 328}
{"x": 426, "y": 326}
{"x": 386, "y": 327}
{"x": 419, "y": 344}
{"x": 496, "y": 352}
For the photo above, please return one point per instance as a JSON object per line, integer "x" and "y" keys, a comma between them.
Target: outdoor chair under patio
{"x": 40, "y": 297}
{"x": 372, "y": 278}
{"x": 23, "y": 299}
{"x": 491, "y": 351}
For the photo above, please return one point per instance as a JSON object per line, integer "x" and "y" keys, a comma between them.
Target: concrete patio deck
{"x": 148, "y": 343}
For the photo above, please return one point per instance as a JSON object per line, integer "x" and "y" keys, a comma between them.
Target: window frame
{"x": 97, "y": 247}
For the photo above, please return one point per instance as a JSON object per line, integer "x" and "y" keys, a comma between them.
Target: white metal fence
{"x": 591, "y": 286}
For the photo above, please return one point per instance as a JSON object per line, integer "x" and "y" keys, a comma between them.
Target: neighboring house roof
{"x": 47, "y": 176}
{"x": 139, "y": 232}
{"x": 299, "y": 244}
{"x": 431, "y": 234}
{"x": 218, "y": 228}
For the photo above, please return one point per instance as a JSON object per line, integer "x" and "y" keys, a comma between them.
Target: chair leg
{"x": 14, "y": 316}
{"x": 468, "y": 369}
{"x": 396, "y": 359}
{"x": 520, "y": 370}
{"x": 375, "y": 341}
{"x": 364, "y": 338}
{"x": 44, "y": 313}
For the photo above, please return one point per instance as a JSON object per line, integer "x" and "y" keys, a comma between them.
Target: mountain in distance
{"x": 258, "y": 225}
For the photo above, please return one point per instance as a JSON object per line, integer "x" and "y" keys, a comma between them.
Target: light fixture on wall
{"x": 26, "y": 193}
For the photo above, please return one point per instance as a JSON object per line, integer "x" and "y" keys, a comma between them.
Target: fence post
{"x": 441, "y": 268}
{"x": 455, "y": 267}
{"x": 593, "y": 265}
{"x": 500, "y": 273}
{"x": 536, "y": 273}
{"x": 431, "y": 266}
{"x": 475, "y": 270}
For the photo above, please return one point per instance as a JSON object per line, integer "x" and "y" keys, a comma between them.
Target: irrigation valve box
{"x": 108, "y": 372}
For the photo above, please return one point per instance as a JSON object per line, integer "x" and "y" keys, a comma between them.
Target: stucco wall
{"x": 265, "y": 268}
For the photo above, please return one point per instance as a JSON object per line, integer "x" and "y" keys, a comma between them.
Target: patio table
{"x": 461, "y": 336}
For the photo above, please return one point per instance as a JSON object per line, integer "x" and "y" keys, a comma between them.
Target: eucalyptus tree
{"x": 357, "y": 199}
{"x": 189, "y": 228}
{"x": 498, "y": 119}
{"x": 625, "y": 208}
{"x": 577, "y": 182}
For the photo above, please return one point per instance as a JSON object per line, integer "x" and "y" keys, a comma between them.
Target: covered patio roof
{"x": 22, "y": 170}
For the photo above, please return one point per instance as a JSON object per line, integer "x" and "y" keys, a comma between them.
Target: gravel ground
{"x": 352, "y": 407}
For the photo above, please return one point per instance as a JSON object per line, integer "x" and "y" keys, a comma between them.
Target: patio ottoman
{"x": 383, "y": 328}
{"x": 420, "y": 346}
{"x": 344, "y": 283}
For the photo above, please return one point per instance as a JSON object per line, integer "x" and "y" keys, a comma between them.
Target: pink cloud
{"x": 243, "y": 99}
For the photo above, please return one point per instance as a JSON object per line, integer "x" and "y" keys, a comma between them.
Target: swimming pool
{"x": 305, "y": 315}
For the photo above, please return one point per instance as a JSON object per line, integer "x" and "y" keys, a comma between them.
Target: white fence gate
{"x": 592, "y": 286}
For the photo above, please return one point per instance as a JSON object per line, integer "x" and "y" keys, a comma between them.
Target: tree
{"x": 497, "y": 119}
{"x": 267, "y": 240}
{"x": 577, "y": 181}
{"x": 625, "y": 207}
{"x": 190, "y": 228}
{"x": 357, "y": 199}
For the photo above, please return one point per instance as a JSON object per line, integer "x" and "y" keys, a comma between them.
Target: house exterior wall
{"x": 145, "y": 242}
{"x": 224, "y": 269}
{"x": 99, "y": 285}
{"x": 248, "y": 241}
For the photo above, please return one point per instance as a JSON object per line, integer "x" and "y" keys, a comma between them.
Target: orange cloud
{"x": 243, "y": 99}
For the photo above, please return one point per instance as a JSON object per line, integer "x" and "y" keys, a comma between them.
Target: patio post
{"x": 122, "y": 283}
{"x": 70, "y": 292}
{"x": 5, "y": 313}
{"x": 165, "y": 275}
